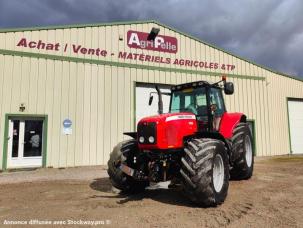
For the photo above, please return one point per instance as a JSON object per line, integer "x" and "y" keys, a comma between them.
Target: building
{"x": 68, "y": 93}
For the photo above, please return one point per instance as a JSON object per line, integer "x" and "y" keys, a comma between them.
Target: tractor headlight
{"x": 151, "y": 139}
{"x": 141, "y": 139}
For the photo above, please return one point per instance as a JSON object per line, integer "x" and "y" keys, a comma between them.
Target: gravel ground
{"x": 71, "y": 174}
{"x": 272, "y": 198}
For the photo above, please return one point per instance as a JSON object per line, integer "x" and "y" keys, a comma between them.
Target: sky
{"x": 268, "y": 32}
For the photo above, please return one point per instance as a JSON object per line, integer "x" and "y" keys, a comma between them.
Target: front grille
{"x": 146, "y": 130}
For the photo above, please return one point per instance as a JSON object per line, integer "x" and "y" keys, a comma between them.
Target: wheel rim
{"x": 218, "y": 173}
{"x": 248, "y": 151}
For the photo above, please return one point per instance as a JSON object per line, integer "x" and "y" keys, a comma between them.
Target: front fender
{"x": 229, "y": 121}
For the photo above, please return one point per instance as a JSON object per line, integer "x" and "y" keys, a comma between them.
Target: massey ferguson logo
{"x": 161, "y": 43}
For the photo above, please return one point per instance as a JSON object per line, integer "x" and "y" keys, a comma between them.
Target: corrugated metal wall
{"x": 99, "y": 99}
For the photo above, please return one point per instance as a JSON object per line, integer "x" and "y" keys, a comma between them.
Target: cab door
{"x": 217, "y": 106}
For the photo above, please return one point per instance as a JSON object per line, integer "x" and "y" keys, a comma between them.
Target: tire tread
{"x": 196, "y": 171}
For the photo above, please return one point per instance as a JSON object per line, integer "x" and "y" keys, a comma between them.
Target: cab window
{"x": 189, "y": 100}
{"x": 217, "y": 100}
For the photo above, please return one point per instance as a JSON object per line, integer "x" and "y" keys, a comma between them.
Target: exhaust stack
{"x": 160, "y": 102}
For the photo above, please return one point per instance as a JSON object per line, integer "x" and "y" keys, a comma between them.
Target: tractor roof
{"x": 192, "y": 85}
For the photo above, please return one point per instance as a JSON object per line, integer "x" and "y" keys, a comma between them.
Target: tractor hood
{"x": 168, "y": 117}
{"x": 166, "y": 130}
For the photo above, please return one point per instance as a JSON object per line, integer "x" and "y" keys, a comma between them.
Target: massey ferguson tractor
{"x": 198, "y": 144}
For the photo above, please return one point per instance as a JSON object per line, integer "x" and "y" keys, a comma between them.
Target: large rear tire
{"x": 205, "y": 171}
{"x": 124, "y": 152}
{"x": 242, "y": 149}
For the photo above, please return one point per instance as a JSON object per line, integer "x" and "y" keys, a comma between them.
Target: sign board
{"x": 161, "y": 43}
{"x": 151, "y": 51}
{"x": 67, "y": 127}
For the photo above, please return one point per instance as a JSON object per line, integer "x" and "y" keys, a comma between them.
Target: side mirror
{"x": 228, "y": 88}
{"x": 150, "y": 100}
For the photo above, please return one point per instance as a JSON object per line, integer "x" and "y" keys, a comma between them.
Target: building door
{"x": 25, "y": 143}
{"x": 295, "y": 109}
{"x": 143, "y": 91}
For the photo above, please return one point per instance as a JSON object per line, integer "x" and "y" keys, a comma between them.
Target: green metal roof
{"x": 144, "y": 22}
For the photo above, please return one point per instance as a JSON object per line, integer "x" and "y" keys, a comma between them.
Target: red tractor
{"x": 197, "y": 144}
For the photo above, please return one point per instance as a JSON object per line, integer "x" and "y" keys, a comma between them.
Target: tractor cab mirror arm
{"x": 150, "y": 101}
{"x": 228, "y": 87}
{"x": 151, "y": 97}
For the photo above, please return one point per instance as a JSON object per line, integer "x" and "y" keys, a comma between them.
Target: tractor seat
{"x": 202, "y": 110}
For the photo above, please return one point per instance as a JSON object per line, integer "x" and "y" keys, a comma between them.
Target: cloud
{"x": 268, "y": 32}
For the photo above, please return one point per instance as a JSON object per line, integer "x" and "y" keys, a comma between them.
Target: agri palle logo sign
{"x": 135, "y": 40}
{"x": 161, "y": 43}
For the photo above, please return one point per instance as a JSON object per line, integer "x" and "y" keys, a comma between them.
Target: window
{"x": 189, "y": 100}
{"x": 217, "y": 99}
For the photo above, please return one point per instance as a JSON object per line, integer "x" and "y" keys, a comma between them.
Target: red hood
{"x": 170, "y": 129}
{"x": 163, "y": 117}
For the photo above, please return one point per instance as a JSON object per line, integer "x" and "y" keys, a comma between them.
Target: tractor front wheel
{"x": 205, "y": 171}
{"x": 124, "y": 152}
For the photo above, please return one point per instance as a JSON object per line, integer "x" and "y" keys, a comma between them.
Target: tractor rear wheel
{"x": 242, "y": 149}
{"x": 205, "y": 171}
{"x": 124, "y": 152}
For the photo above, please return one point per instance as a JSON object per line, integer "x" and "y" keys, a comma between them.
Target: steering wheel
{"x": 191, "y": 108}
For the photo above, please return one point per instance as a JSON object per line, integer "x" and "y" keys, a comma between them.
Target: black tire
{"x": 124, "y": 152}
{"x": 197, "y": 171}
{"x": 243, "y": 166}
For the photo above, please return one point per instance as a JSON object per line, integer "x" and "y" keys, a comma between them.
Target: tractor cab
{"x": 202, "y": 99}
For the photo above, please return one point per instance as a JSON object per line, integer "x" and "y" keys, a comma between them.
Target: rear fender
{"x": 228, "y": 123}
